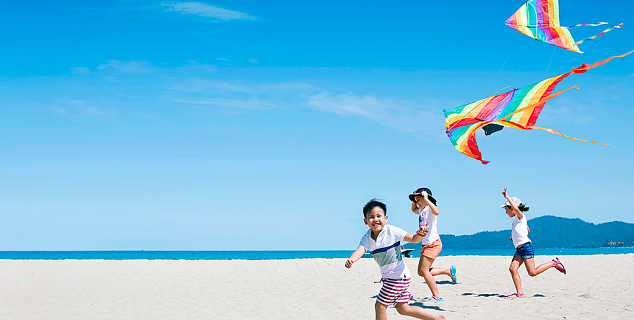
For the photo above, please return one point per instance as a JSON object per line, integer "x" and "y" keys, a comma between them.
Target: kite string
{"x": 491, "y": 84}
{"x": 525, "y": 131}
{"x": 517, "y": 158}
{"x": 454, "y": 183}
{"x": 502, "y": 67}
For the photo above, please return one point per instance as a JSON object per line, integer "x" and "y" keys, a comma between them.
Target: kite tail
{"x": 563, "y": 135}
{"x": 584, "y": 67}
{"x": 598, "y": 35}
{"x": 588, "y": 25}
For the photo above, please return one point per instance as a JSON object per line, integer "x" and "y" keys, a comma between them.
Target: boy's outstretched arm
{"x": 415, "y": 238}
{"x": 356, "y": 255}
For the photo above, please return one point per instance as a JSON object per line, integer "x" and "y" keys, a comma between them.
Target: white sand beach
{"x": 596, "y": 287}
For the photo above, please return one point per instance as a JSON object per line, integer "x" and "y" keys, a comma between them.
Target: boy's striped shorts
{"x": 394, "y": 291}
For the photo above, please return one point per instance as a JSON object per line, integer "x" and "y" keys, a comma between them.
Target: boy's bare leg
{"x": 380, "y": 310}
{"x": 417, "y": 312}
{"x": 515, "y": 264}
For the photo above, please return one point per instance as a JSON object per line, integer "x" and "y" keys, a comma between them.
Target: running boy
{"x": 383, "y": 241}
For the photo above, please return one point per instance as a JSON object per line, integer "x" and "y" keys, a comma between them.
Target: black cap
{"x": 418, "y": 192}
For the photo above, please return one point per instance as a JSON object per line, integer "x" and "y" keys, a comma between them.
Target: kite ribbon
{"x": 584, "y": 67}
{"x": 589, "y": 25}
{"x": 581, "y": 69}
{"x": 598, "y": 35}
{"x": 563, "y": 135}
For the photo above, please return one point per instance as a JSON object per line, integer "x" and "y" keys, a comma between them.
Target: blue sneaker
{"x": 433, "y": 299}
{"x": 454, "y": 280}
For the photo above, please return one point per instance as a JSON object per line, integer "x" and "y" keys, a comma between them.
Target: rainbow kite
{"x": 518, "y": 108}
{"x": 539, "y": 19}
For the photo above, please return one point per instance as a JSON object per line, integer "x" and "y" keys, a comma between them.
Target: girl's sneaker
{"x": 454, "y": 280}
{"x": 433, "y": 299}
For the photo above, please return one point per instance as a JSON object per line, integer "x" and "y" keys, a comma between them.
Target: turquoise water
{"x": 270, "y": 255}
{"x": 539, "y": 252}
{"x": 171, "y": 255}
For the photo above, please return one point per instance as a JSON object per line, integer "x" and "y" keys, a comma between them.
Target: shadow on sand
{"x": 486, "y": 295}
{"x": 413, "y": 302}
{"x": 419, "y": 304}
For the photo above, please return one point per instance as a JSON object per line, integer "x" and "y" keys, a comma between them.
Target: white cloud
{"x": 125, "y": 67}
{"x": 205, "y": 10}
{"x": 81, "y": 70}
{"x": 409, "y": 116}
{"x": 93, "y": 110}
{"x": 202, "y": 86}
{"x": 213, "y": 87}
{"x": 403, "y": 115}
{"x": 82, "y": 110}
{"x": 234, "y": 103}
{"x": 350, "y": 105}
{"x": 253, "y": 61}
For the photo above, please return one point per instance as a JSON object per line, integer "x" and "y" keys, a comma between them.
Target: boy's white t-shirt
{"x": 520, "y": 231}
{"x": 428, "y": 218}
{"x": 386, "y": 251}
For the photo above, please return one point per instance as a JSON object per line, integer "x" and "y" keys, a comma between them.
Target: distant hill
{"x": 546, "y": 232}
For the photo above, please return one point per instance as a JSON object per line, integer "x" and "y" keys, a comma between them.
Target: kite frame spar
{"x": 507, "y": 109}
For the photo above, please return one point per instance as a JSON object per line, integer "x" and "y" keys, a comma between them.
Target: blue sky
{"x": 238, "y": 125}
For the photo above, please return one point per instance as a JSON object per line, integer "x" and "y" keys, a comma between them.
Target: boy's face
{"x": 376, "y": 219}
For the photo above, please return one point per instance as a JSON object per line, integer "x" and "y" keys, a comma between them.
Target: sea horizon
{"x": 269, "y": 254}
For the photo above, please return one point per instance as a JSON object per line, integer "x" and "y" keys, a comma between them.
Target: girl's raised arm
{"x": 431, "y": 205}
{"x": 514, "y": 207}
{"x": 414, "y": 208}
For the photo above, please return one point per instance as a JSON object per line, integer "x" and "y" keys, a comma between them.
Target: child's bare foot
{"x": 442, "y": 317}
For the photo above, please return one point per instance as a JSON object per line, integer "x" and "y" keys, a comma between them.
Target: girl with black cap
{"x": 424, "y": 205}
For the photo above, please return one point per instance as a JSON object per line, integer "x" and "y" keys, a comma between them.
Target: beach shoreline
{"x": 596, "y": 286}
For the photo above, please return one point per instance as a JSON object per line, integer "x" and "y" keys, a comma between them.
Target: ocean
{"x": 272, "y": 255}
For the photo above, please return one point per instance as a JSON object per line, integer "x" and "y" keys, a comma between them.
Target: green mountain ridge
{"x": 546, "y": 232}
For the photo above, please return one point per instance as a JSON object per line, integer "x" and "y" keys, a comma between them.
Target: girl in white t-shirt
{"x": 524, "y": 248}
{"x": 424, "y": 205}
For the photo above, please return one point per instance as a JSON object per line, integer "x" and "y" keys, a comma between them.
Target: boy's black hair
{"x": 371, "y": 204}
{"x": 523, "y": 208}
